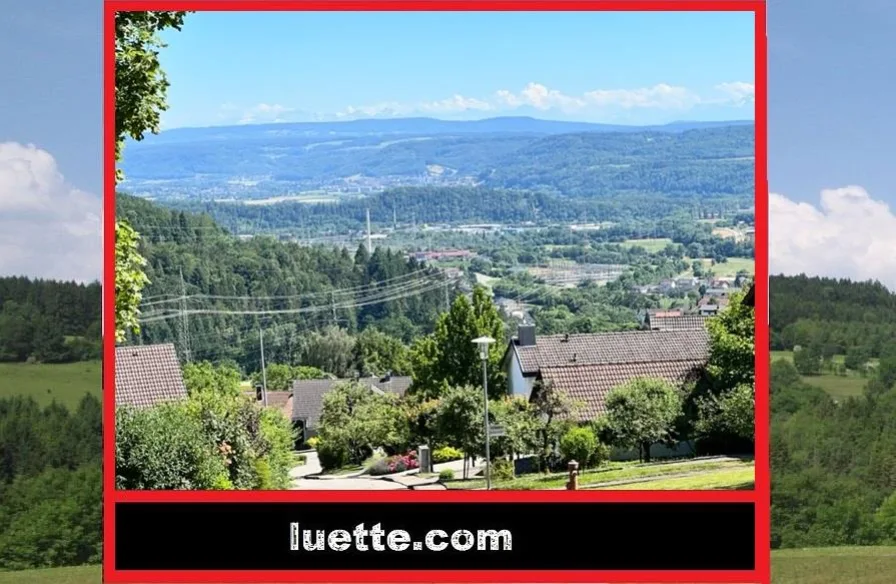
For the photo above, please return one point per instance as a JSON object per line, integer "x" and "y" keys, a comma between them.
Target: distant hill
{"x": 366, "y": 156}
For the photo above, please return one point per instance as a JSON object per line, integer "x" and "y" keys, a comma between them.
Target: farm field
{"x": 837, "y": 386}
{"x": 650, "y": 245}
{"x": 730, "y": 268}
{"x": 64, "y": 383}
{"x": 865, "y": 565}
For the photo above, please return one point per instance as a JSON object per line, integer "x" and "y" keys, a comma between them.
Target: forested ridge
{"x": 833, "y": 462}
{"x": 312, "y": 287}
{"x": 697, "y": 162}
{"x": 420, "y": 205}
{"x": 49, "y": 321}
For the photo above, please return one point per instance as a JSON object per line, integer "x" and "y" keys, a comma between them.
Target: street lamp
{"x": 483, "y": 344}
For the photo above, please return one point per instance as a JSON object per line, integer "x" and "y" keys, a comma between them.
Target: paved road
{"x": 301, "y": 482}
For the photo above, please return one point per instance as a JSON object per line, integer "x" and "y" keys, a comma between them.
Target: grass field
{"x": 730, "y": 268}
{"x": 650, "y": 245}
{"x": 868, "y": 565}
{"x": 65, "y": 383}
{"x": 837, "y": 386}
{"x": 77, "y": 575}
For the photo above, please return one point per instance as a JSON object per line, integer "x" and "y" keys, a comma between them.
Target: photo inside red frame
{"x": 419, "y": 291}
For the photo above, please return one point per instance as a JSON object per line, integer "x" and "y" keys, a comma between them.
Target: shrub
{"x": 313, "y": 442}
{"x": 578, "y": 444}
{"x": 446, "y": 454}
{"x": 600, "y": 455}
{"x": 332, "y": 456}
{"x": 446, "y": 475}
{"x": 502, "y": 470}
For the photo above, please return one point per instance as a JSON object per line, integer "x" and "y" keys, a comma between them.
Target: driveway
{"x": 311, "y": 466}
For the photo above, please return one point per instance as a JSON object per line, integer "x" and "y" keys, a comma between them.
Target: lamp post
{"x": 483, "y": 344}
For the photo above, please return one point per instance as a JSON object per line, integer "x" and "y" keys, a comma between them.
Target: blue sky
{"x": 633, "y": 68}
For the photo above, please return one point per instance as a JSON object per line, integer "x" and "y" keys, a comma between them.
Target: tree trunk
{"x": 645, "y": 448}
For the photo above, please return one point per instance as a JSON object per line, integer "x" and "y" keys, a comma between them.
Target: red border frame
{"x": 761, "y": 494}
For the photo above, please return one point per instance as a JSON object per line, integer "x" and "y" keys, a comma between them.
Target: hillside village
{"x": 568, "y": 379}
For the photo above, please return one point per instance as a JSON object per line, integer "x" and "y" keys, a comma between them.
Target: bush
{"x": 332, "y": 456}
{"x": 578, "y": 444}
{"x": 165, "y": 448}
{"x": 313, "y": 442}
{"x": 446, "y": 475}
{"x": 502, "y": 470}
{"x": 446, "y": 454}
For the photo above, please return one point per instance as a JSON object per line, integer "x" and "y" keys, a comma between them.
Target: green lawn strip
{"x": 868, "y": 565}
{"x": 610, "y": 473}
{"x": 649, "y": 245}
{"x": 73, "y": 575}
{"x": 64, "y": 383}
{"x": 720, "y": 479}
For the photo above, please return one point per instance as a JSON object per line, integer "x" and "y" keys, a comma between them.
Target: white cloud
{"x": 849, "y": 234}
{"x": 661, "y": 96}
{"x": 262, "y": 113}
{"x": 737, "y": 93}
{"x": 48, "y": 228}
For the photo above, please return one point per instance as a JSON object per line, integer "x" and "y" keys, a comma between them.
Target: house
{"x": 674, "y": 321}
{"x": 148, "y": 375}
{"x": 308, "y": 398}
{"x": 711, "y": 305}
{"x": 588, "y": 366}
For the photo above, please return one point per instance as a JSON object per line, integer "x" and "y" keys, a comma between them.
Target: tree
{"x": 331, "y": 350}
{"x": 376, "y": 353}
{"x": 141, "y": 86}
{"x": 129, "y": 280}
{"x": 355, "y": 421}
{"x": 642, "y": 413}
{"x": 579, "y": 444}
{"x": 807, "y": 360}
{"x": 521, "y": 425}
{"x": 554, "y": 412}
{"x": 460, "y": 420}
{"x": 140, "y": 98}
{"x": 205, "y": 376}
{"x": 451, "y": 357}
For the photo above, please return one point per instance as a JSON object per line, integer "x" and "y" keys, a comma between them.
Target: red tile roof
{"x": 613, "y": 348}
{"x": 146, "y": 375}
{"x": 589, "y": 385}
{"x": 676, "y": 322}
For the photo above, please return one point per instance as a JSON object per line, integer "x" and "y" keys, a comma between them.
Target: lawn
{"x": 649, "y": 245}
{"x": 722, "y": 479}
{"x": 714, "y": 473}
{"x": 868, "y": 565}
{"x": 836, "y": 386}
{"x": 65, "y": 383}
{"x": 76, "y": 575}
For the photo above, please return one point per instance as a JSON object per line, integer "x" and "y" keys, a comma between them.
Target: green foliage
{"x": 579, "y": 444}
{"x": 807, "y": 360}
{"x": 502, "y": 470}
{"x": 521, "y": 426}
{"x": 552, "y": 413}
{"x": 355, "y": 420}
{"x": 451, "y": 358}
{"x": 205, "y": 376}
{"x": 642, "y": 413}
{"x": 446, "y": 454}
{"x": 332, "y": 455}
{"x": 377, "y": 354}
{"x": 165, "y": 448}
{"x": 130, "y": 280}
{"x": 446, "y": 475}
{"x": 140, "y": 83}
{"x": 52, "y": 519}
{"x": 460, "y": 419}
{"x": 280, "y": 376}
{"x": 832, "y": 461}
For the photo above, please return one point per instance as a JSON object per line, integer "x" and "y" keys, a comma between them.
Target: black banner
{"x": 434, "y": 536}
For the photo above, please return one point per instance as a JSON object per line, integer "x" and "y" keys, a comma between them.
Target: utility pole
{"x": 264, "y": 377}
{"x": 447, "y": 299}
{"x": 369, "y": 240}
{"x": 333, "y": 304}
{"x": 184, "y": 321}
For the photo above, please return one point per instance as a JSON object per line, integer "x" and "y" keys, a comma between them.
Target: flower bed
{"x": 394, "y": 464}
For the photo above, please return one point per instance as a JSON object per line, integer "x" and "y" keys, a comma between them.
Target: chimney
{"x": 566, "y": 338}
{"x": 525, "y": 335}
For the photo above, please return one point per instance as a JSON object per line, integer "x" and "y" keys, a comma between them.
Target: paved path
{"x": 355, "y": 484}
{"x": 311, "y": 466}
